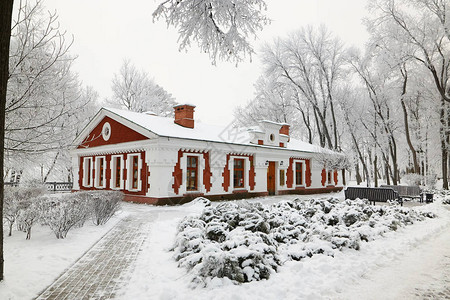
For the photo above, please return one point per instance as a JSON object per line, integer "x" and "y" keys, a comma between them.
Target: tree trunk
{"x": 308, "y": 125}
{"x": 408, "y": 139}
{"x": 444, "y": 150}
{"x": 386, "y": 170}
{"x": 405, "y": 120}
{"x": 321, "y": 137}
{"x": 55, "y": 160}
{"x": 375, "y": 170}
{"x": 358, "y": 175}
{"x": 393, "y": 151}
{"x": 333, "y": 118}
{"x": 6, "y": 7}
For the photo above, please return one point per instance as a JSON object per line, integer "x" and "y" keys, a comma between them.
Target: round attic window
{"x": 106, "y": 131}
{"x": 272, "y": 137}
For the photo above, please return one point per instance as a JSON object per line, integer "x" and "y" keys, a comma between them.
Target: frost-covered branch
{"x": 220, "y": 28}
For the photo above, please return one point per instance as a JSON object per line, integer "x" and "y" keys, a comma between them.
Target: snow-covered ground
{"x": 400, "y": 265}
{"x": 350, "y": 274}
{"x": 32, "y": 265}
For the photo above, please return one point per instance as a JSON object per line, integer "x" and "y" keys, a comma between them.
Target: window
{"x": 87, "y": 171}
{"x": 329, "y": 175}
{"x": 282, "y": 178}
{"x": 238, "y": 174}
{"x": 100, "y": 172}
{"x": 116, "y": 171}
{"x": 299, "y": 173}
{"x": 191, "y": 171}
{"x": 133, "y": 171}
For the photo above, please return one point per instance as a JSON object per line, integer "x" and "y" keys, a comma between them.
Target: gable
{"x": 118, "y": 133}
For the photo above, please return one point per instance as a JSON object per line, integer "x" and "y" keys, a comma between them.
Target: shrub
{"x": 63, "y": 213}
{"x": 16, "y": 200}
{"x": 103, "y": 204}
{"x": 249, "y": 241}
{"x": 29, "y": 214}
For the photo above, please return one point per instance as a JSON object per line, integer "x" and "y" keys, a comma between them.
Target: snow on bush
{"x": 246, "y": 242}
{"x": 26, "y": 206}
{"x": 63, "y": 213}
{"x": 17, "y": 200}
{"x": 29, "y": 215}
{"x": 103, "y": 204}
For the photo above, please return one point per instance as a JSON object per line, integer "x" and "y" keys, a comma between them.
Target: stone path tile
{"x": 101, "y": 271}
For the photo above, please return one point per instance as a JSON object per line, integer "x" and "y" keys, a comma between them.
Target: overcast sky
{"x": 108, "y": 31}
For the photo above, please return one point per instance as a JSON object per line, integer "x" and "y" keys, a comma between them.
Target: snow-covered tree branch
{"x": 220, "y": 28}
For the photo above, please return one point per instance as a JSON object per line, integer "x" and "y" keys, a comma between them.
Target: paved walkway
{"x": 103, "y": 269}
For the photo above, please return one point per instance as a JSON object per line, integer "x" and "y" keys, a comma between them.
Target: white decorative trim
{"x": 200, "y": 170}
{"x": 128, "y": 147}
{"x": 113, "y": 168}
{"x": 106, "y": 113}
{"x": 87, "y": 173}
{"x": 294, "y": 167}
{"x": 129, "y": 180}
{"x": 106, "y": 131}
{"x": 97, "y": 170}
{"x": 246, "y": 172}
{"x": 76, "y": 173}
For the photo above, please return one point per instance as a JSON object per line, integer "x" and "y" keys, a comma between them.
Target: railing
{"x": 59, "y": 186}
{"x": 51, "y": 186}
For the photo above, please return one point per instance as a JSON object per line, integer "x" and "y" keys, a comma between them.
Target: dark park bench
{"x": 372, "y": 194}
{"x": 411, "y": 192}
{"x": 406, "y": 191}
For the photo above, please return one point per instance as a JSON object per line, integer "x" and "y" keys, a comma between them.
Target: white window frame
{"x": 130, "y": 172}
{"x": 112, "y": 182}
{"x": 201, "y": 168}
{"x": 246, "y": 172}
{"x": 97, "y": 171}
{"x": 302, "y": 161}
{"x": 87, "y": 173}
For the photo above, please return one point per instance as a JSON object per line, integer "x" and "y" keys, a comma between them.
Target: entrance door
{"x": 271, "y": 178}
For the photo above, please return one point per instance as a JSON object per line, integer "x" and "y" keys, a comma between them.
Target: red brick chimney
{"x": 284, "y": 129}
{"x": 184, "y": 115}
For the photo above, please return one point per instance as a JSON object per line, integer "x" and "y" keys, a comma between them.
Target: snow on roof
{"x": 166, "y": 127}
{"x": 183, "y": 104}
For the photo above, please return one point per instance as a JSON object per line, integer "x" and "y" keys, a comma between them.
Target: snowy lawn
{"x": 32, "y": 265}
{"x": 157, "y": 275}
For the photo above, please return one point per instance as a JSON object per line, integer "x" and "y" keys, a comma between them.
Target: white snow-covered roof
{"x": 164, "y": 126}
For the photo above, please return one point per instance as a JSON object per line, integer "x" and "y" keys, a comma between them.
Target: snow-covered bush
{"x": 64, "y": 212}
{"x": 103, "y": 204}
{"x": 229, "y": 240}
{"x": 17, "y": 199}
{"x": 245, "y": 241}
{"x": 30, "y": 213}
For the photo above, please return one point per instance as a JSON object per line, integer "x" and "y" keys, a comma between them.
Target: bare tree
{"x": 312, "y": 62}
{"x": 43, "y": 92}
{"x": 272, "y": 102}
{"x": 421, "y": 27}
{"x": 135, "y": 91}
{"x": 378, "y": 85}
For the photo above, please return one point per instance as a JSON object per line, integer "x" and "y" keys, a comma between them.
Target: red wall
{"x": 119, "y": 134}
